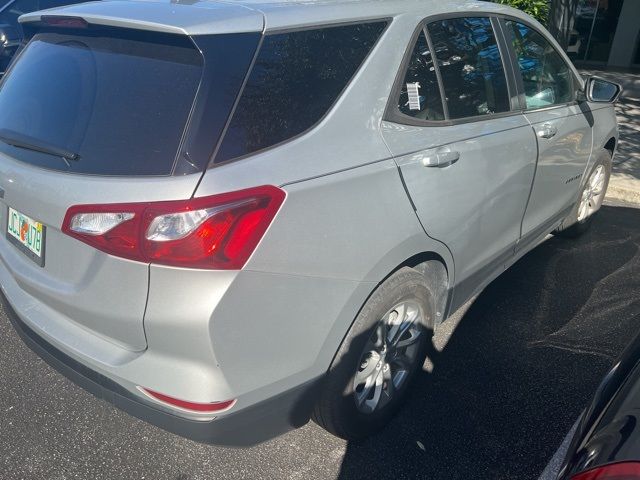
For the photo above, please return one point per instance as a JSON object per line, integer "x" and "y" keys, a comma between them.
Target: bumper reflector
{"x": 212, "y": 407}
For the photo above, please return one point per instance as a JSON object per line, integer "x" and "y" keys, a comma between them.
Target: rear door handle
{"x": 441, "y": 159}
{"x": 547, "y": 131}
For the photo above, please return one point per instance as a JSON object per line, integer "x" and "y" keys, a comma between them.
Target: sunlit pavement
{"x": 509, "y": 377}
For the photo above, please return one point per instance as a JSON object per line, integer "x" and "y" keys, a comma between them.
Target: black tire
{"x": 571, "y": 227}
{"x": 336, "y": 409}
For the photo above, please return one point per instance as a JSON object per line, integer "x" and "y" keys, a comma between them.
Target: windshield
{"x": 120, "y": 102}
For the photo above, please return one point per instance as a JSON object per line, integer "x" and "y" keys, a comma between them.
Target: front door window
{"x": 546, "y": 78}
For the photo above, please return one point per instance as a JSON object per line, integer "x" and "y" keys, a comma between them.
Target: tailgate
{"x": 88, "y": 117}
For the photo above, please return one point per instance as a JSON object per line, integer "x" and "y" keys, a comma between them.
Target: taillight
{"x": 216, "y": 232}
{"x": 211, "y": 407}
{"x": 64, "y": 21}
{"x": 616, "y": 471}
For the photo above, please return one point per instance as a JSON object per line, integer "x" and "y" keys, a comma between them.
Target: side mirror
{"x": 599, "y": 90}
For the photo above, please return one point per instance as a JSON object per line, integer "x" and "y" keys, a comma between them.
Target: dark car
{"x": 606, "y": 444}
{"x": 11, "y": 34}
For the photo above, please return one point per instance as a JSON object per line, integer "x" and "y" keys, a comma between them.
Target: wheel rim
{"x": 592, "y": 194}
{"x": 388, "y": 357}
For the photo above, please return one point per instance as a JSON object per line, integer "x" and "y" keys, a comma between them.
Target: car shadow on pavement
{"x": 521, "y": 364}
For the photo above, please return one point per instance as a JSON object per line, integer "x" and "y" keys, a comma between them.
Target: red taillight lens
{"x": 217, "y": 232}
{"x": 63, "y": 21}
{"x": 616, "y": 471}
{"x": 212, "y": 407}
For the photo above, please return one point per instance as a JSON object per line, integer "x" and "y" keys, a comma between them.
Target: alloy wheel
{"x": 593, "y": 193}
{"x": 388, "y": 357}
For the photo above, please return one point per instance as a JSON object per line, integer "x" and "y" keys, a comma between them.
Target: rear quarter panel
{"x": 335, "y": 238}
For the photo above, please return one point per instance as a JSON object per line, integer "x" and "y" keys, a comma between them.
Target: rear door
{"x": 90, "y": 116}
{"x": 466, "y": 154}
{"x": 562, "y": 126}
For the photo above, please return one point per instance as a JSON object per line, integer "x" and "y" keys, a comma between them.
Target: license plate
{"x": 26, "y": 234}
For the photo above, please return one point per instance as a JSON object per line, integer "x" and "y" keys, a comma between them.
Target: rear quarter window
{"x": 296, "y": 78}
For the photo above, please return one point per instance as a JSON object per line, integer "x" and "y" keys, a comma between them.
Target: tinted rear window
{"x": 295, "y": 80}
{"x": 120, "y": 102}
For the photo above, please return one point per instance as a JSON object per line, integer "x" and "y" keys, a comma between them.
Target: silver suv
{"x": 229, "y": 217}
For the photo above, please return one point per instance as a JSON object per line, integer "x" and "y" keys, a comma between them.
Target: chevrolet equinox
{"x": 229, "y": 217}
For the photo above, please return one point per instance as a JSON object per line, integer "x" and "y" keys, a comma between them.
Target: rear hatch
{"x": 93, "y": 115}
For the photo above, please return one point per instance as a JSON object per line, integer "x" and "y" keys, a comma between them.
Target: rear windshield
{"x": 118, "y": 103}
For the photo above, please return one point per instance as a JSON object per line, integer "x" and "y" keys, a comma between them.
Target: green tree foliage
{"x": 539, "y": 9}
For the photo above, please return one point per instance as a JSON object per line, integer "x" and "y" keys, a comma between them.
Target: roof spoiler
{"x": 205, "y": 19}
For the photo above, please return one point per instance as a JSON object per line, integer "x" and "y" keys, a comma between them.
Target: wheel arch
{"x": 434, "y": 269}
{"x": 438, "y": 271}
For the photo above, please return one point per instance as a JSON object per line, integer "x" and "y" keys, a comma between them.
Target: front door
{"x": 562, "y": 128}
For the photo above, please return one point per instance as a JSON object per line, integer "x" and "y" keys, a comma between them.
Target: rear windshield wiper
{"x": 21, "y": 140}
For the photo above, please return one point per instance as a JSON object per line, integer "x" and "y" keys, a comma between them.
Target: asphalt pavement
{"x": 506, "y": 379}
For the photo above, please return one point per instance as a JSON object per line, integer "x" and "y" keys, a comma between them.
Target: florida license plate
{"x": 26, "y": 234}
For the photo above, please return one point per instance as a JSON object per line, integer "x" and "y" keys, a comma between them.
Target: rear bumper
{"x": 251, "y": 425}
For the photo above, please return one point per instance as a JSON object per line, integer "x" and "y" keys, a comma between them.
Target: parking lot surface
{"x": 508, "y": 377}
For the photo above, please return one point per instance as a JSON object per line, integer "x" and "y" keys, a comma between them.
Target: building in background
{"x": 598, "y": 33}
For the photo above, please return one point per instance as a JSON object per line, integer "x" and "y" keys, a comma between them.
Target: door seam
{"x": 533, "y": 181}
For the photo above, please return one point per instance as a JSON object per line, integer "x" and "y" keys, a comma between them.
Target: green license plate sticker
{"x": 26, "y": 234}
